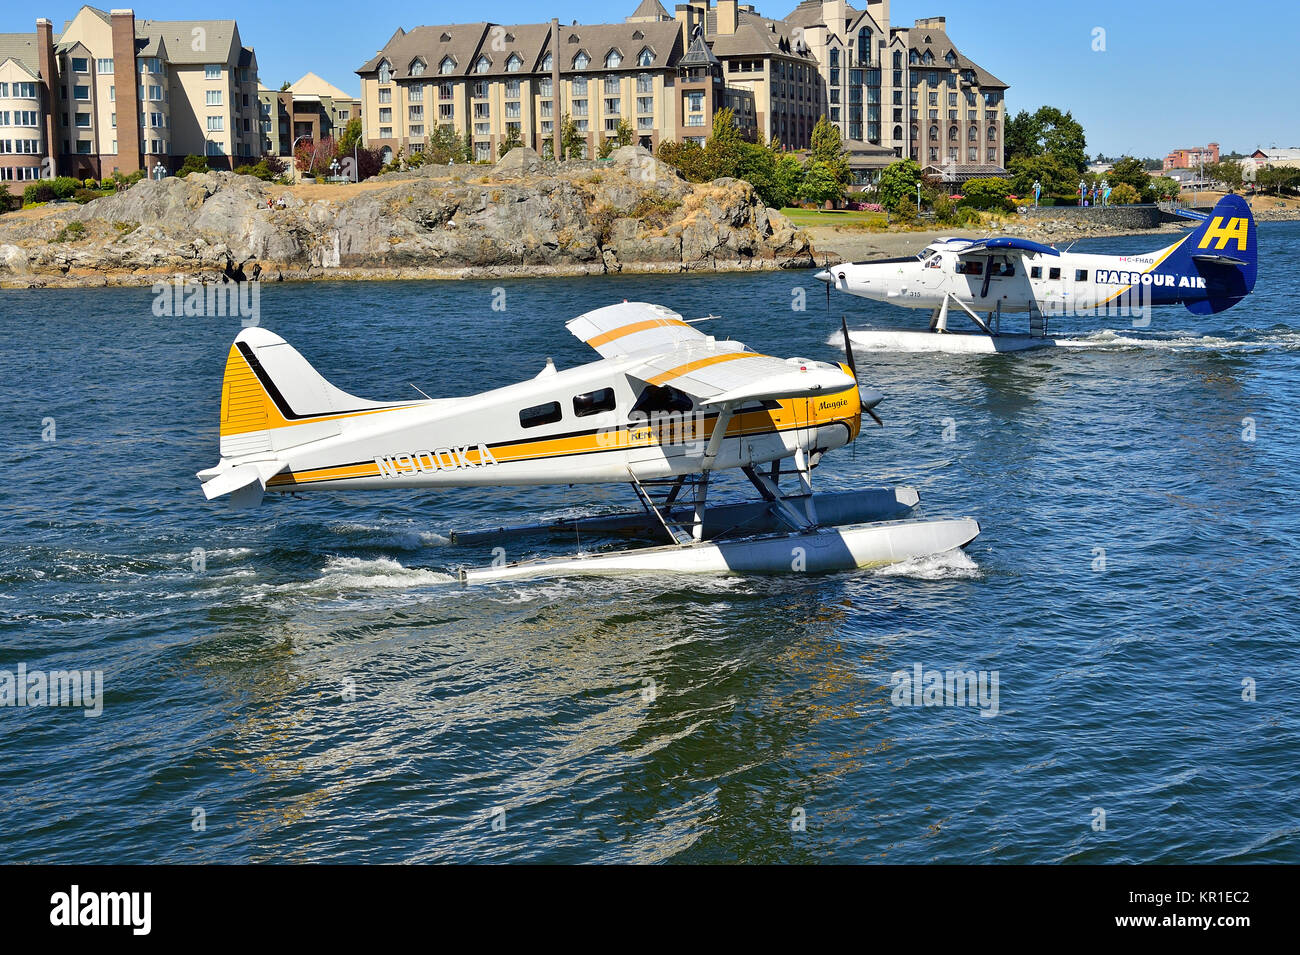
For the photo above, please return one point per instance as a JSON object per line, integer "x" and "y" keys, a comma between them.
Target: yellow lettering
{"x": 1235, "y": 229}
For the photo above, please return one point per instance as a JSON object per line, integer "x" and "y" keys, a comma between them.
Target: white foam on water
{"x": 399, "y": 538}
{"x": 356, "y": 573}
{"x": 953, "y": 564}
{"x": 1109, "y": 338}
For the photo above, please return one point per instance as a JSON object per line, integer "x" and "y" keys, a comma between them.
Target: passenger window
{"x": 1036, "y": 272}
{"x": 548, "y": 413}
{"x": 1007, "y": 269}
{"x": 973, "y": 267}
{"x": 593, "y": 402}
{"x": 1054, "y": 274}
{"x": 661, "y": 398}
{"x": 1081, "y": 275}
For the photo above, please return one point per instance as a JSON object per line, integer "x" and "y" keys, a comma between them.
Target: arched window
{"x": 898, "y": 132}
{"x": 835, "y": 59}
{"x": 993, "y": 134}
{"x": 898, "y": 59}
{"x": 547, "y": 63}
{"x": 934, "y": 134}
{"x": 914, "y": 57}
{"x": 514, "y": 63}
{"x": 483, "y": 65}
{"x": 973, "y": 135}
{"x": 916, "y": 131}
{"x": 580, "y": 61}
{"x": 951, "y": 57}
{"x": 953, "y": 135}
{"x": 447, "y": 65}
{"x": 417, "y": 67}
{"x": 928, "y": 58}
{"x": 864, "y": 46}
{"x": 645, "y": 58}
{"x": 612, "y": 59}
{"x": 385, "y": 71}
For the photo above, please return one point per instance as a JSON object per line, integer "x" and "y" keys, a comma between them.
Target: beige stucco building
{"x": 192, "y": 83}
{"x": 310, "y": 109}
{"x": 892, "y": 91}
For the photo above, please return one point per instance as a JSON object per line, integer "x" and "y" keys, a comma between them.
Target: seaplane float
{"x": 1208, "y": 270}
{"x": 663, "y": 409}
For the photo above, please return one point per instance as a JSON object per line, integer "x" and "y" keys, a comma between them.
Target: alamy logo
{"x": 81, "y": 689}
{"x": 922, "y": 687}
{"x": 74, "y": 907}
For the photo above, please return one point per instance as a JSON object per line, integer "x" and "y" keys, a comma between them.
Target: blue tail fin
{"x": 1221, "y": 250}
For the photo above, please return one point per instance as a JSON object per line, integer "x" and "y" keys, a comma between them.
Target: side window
{"x": 1081, "y": 275}
{"x": 1036, "y": 272}
{"x": 1054, "y": 274}
{"x": 975, "y": 267}
{"x": 593, "y": 402}
{"x": 548, "y": 413}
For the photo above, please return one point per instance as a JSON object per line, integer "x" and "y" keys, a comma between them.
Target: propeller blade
{"x": 848, "y": 347}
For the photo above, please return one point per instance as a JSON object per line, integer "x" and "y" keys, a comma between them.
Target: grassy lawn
{"x": 840, "y": 218}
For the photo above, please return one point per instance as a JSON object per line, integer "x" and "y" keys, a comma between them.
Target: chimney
{"x": 45, "y": 63}
{"x": 835, "y": 15}
{"x": 727, "y": 17}
{"x": 126, "y": 81}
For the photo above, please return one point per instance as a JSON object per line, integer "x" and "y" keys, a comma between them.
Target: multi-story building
{"x": 1192, "y": 158}
{"x": 192, "y": 83}
{"x": 893, "y": 92}
{"x": 310, "y": 109}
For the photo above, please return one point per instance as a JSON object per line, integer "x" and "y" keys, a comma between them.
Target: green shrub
{"x": 987, "y": 193}
{"x": 65, "y": 186}
{"x": 38, "y": 192}
{"x": 71, "y": 232}
{"x": 85, "y": 195}
{"x": 192, "y": 164}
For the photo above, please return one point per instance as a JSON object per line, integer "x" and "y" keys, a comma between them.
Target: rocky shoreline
{"x": 519, "y": 217}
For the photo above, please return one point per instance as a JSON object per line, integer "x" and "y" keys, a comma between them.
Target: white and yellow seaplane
{"x": 664, "y": 408}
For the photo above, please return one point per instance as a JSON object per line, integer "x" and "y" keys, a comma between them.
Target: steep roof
{"x": 756, "y": 35}
{"x": 22, "y": 49}
{"x": 650, "y": 9}
{"x": 934, "y": 38}
{"x": 177, "y": 37}
{"x": 433, "y": 43}
{"x": 312, "y": 85}
{"x": 698, "y": 54}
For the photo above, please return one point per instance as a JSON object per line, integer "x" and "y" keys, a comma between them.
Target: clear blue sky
{"x": 1171, "y": 75}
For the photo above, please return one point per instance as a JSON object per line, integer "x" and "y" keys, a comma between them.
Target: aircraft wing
{"x": 1007, "y": 245}
{"x": 631, "y": 327}
{"x": 718, "y": 373}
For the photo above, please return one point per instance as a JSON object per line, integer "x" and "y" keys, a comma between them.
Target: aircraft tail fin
{"x": 1222, "y": 250}
{"x": 272, "y": 400}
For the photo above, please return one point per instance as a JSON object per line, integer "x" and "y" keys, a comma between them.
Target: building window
{"x": 645, "y": 104}
{"x": 415, "y": 114}
{"x": 385, "y": 132}
{"x": 417, "y": 67}
{"x": 694, "y": 102}
{"x": 934, "y": 134}
{"x": 416, "y": 131}
{"x": 579, "y": 107}
{"x": 612, "y": 59}
{"x": 216, "y": 123}
{"x": 544, "y": 88}
{"x": 83, "y": 119}
{"x": 512, "y": 110}
{"x": 415, "y": 94}
{"x": 214, "y": 97}
{"x": 480, "y": 89}
{"x": 645, "y": 83}
{"x": 445, "y": 112}
{"x": 483, "y": 65}
{"x": 482, "y": 111}
{"x": 103, "y": 65}
{"x": 512, "y": 89}
{"x": 447, "y": 65}
{"x": 993, "y": 155}
{"x": 385, "y": 114}
{"x": 81, "y": 92}
{"x": 547, "y": 62}
{"x": 612, "y": 106}
{"x": 579, "y": 86}
{"x": 212, "y": 71}
{"x": 580, "y": 61}
{"x": 645, "y": 57}
{"x": 514, "y": 63}
{"x": 612, "y": 86}
{"x": 385, "y": 72}
{"x": 80, "y": 64}
{"x": 444, "y": 91}
{"x": 215, "y": 148}
{"x": 386, "y": 96}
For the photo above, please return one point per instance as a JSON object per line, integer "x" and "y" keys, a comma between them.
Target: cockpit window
{"x": 593, "y": 402}
{"x": 661, "y": 398}
{"x": 934, "y": 262}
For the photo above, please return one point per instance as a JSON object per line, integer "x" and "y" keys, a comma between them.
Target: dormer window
{"x": 580, "y": 61}
{"x": 547, "y": 63}
{"x": 612, "y": 59}
{"x": 417, "y": 67}
{"x": 514, "y": 63}
{"x": 385, "y": 71}
{"x": 645, "y": 57}
{"x": 482, "y": 65}
{"x": 445, "y": 38}
{"x": 447, "y": 65}
{"x": 951, "y": 58}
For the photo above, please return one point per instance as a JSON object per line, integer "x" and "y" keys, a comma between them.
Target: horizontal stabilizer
{"x": 245, "y": 482}
{"x": 1219, "y": 259}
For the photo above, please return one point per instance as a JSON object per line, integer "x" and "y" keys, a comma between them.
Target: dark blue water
{"x": 226, "y": 690}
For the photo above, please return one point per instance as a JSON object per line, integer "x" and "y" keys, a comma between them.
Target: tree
{"x": 1227, "y": 171}
{"x": 572, "y": 143}
{"x": 1124, "y": 195}
{"x": 820, "y": 184}
{"x": 351, "y": 137}
{"x": 1131, "y": 172}
{"x": 1055, "y": 178}
{"x": 285, "y": 85}
{"x": 688, "y": 158}
{"x": 828, "y": 149}
{"x": 898, "y": 182}
{"x": 1046, "y": 132}
{"x": 513, "y": 140}
{"x": 445, "y": 145}
{"x": 313, "y": 159}
{"x": 724, "y": 150}
{"x": 191, "y": 164}
{"x": 987, "y": 193}
{"x": 1164, "y": 187}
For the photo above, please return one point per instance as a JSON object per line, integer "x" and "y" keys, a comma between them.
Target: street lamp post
{"x": 1083, "y": 190}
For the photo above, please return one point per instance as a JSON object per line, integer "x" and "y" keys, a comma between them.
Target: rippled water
{"x": 691, "y": 719}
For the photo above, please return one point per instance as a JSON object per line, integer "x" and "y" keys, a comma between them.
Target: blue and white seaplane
{"x": 664, "y": 409}
{"x": 1208, "y": 270}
